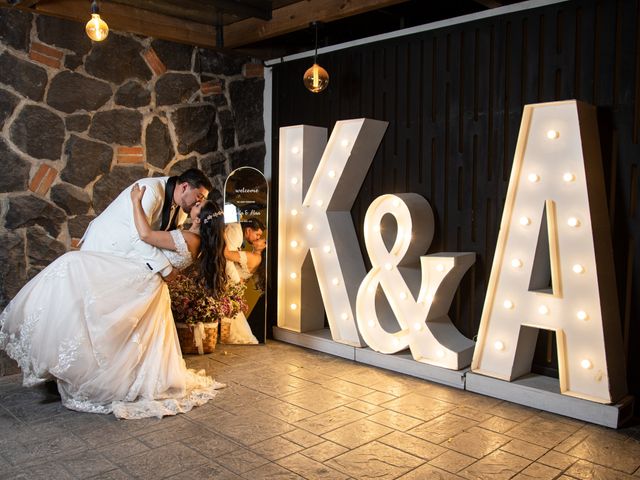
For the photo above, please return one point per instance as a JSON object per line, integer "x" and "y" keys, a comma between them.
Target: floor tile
{"x": 524, "y": 449}
{"x": 538, "y": 471}
{"x": 327, "y": 421}
{"x": 452, "y": 461}
{"x": 419, "y": 406}
{"x": 542, "y": 431}
{"x": 442, "y": 428}
{"x": 241, "y": 460}
{"x": 303, "y": 438}
{"x": 610, "y": 451}
{"x": 429, "y": 472}
{"x": 163, "y": 462}
{"x": 413, "y": 445}
{"x": 590, "y": 471}
{"x": 375, "y": 461}
{"x": 324, "y": 451}
{"x": 310, "y": 469}
{"x": 275, "y": 448}
{"x": 476, "y": 442}
{"x": 395, "y": 420}
{"x": 357, "y": 433}
{"x": 272, "y": 471}
{"x": 498, "y": 465}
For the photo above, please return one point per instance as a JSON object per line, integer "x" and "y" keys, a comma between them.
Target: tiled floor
{"x": 291, "y": 413}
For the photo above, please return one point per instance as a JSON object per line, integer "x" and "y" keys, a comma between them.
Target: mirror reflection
{"x": 245, "y": 212}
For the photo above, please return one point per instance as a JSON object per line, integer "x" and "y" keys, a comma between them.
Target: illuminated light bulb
{"x": 573, "y": 222}
{"x": 371, "y": 323}
{"x": 440, "y": 267}
{"x": 294, "y": 180}
{"x": 96, "y": 28}
{"x": 335, "y": 281}
{"x": 533, "y": 177}
{"x": 428, "y": 299}
{"x": 417, "y": 326}
{"x": 345, "y": 143}
{"x": 577, "y": 268}
{"x": 524, "y": 221}
{"x": 371, "y": 289}
{"x": 293, "y": 275}
{"x": 316, "y": 78}
{"x": 344, "y": 316}
{"x": 293, "y": 306}
{"x": 508, "y": 304}
{"x": 293, "y": 244}
{"x": 568, "y": 177}
{"x": 294, "y": 212}
{"x": 403, "y": 296}
{"x": 327, "y": 249}
{"x": 516, "y": 263}
{"x": 408, "y": 237}
{"x": 319, "y": 203}
{"x": 553, "y": 134}
{"x": 376, "y": 228}
{"x": 396, "y": 203}
{"x": 498, "y": 345}
{"x": 396, "y": 342}
{"x": 582, "y": 315}
{"x": 332, "y": 173}
{"x": 295, "y": 150}
{"x": 543, "y": 309}
{"x": 440, "y": 353}
{"x": 309, "y": 226}
{"x": 586, "y": 364}
{"x": 388, "y": 266}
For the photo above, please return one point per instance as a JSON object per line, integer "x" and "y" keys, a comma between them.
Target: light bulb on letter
{"x": 582, "y": 315}
{"x": 573, "y": 222}
{"x": 543, "y": 309}
{"x": 508, "y": 304}
{"x": 294, "y": 180}
{"x": 586, "y": 364}
{"x": 533, "y": 177}
{"x": 524, "y": 221}
{"x": 516, "y": 263}
{"x": 568, "y": 177}
{"x": 498, "y": 345}
{"x": 577, "y": 268}
{"x": 293, "y": 244}
{"x": 552, "y": 134}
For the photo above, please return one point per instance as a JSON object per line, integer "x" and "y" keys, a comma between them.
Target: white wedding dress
{"x": 101, "y": 326}
{"x": 239, "y": 331}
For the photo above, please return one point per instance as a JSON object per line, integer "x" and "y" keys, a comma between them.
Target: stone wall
{"x": 80, "y": 121}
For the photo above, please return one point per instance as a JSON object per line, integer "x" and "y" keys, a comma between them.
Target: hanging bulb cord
{"x": 315, "y": 55}
{"x": 94, "y": 7}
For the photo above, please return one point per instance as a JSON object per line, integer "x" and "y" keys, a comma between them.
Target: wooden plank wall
{"x": 454, "y": 99}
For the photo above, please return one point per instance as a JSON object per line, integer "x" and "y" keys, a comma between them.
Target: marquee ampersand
{"x": 418, "y": 289}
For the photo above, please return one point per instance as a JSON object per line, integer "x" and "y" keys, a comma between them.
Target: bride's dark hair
{"x": 211, "y": 262}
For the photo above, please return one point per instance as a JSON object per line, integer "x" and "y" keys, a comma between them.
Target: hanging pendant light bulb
{"x": 97, "y": 29}
{"x": 316, "y": 78}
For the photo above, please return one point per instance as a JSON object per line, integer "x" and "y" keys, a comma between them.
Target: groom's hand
{"x": 172, "y": 276}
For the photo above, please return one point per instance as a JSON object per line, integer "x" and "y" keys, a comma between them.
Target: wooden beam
{"x": 130, "y": 19}
{"x": 186, "y": 9}
{"x": 297, "y": 16}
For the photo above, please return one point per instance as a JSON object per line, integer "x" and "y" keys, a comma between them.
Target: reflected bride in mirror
{"x": 241, "y": 265}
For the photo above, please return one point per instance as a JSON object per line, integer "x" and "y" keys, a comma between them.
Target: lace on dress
{"x": 181, "y": 258}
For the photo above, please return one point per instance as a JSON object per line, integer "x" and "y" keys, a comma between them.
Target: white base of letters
{"x": 319, "y": 340}
{"x": 403, "y": 362}
{"x": 543, "y": 393}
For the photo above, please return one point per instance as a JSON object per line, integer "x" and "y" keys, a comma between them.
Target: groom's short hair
{"x": 196, "y": 179}
{"x": 253, "y": 223}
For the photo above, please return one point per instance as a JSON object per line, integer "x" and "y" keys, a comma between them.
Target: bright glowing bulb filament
{"x": 573, "y": 222}
{"x": 508, "y": 304}
{"x": 534, "y": 178}
{"x": 295, "y": 150}
{"x": 586, "y": 364}
{"x": 294, "y": 180}
{"x": 553, "y": 134}
{"x": 568, "y": 177}
{"x": 294, "y": 212}
{"x": 345, "y": 143}
{"x": 293, "y": 306}
{"x": 293, "y": 275}
{"x": 335, "y": 281}
{"x": 582, "y": 315}
{"x": 344, "y": 316}
{"x": 440, "y": 267}
{"x": 293, "y": 244}
{"x": 577, "y": 268}
{"x": 417, "y": 326}
{"x": 403, "y": 296}
{"x": 327, "y": 249}
{"x": 498, "y": 345}
{"x": 524, "y": 221}
{"x": 332, "y": 173}
{"x": 543, "y": 309}
{"x": 388, "y": 266}
{"x": 309, "y": 226}
{"x": 516, "y": 263}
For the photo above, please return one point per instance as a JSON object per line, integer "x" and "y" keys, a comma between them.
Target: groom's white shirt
{"x": 114, "y": 230}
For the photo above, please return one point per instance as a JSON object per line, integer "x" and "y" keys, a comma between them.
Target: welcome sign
{"x": 553, "y": 265}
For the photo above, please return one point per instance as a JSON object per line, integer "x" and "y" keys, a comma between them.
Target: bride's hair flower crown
{"x": 211, "y": 216}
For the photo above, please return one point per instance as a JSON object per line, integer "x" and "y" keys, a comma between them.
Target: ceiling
{"x": 261, "y": 28}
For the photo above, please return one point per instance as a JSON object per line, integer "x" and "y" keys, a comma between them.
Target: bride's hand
{"x": 137, "y": 193}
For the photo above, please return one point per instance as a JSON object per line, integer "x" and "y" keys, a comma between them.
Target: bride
{"x": 240, "y": 267}
{"x": 101, "y": 326}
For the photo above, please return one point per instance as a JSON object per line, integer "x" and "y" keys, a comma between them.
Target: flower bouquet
{"x": 197, "y": 314}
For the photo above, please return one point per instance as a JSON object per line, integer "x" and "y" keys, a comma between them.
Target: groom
{"x": 166, "y": 201}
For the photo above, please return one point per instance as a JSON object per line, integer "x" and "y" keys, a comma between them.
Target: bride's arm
{"x": 231, "y": 255}
{"x": 156, "y": 238}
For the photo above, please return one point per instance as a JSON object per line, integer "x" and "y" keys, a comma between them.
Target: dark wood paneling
{"x": 454, "y": 99}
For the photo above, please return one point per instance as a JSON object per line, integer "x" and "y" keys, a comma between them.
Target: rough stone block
{"x": 212, "y": 87}
{"x": 28, "y": 79}
{"x": 43, "y": 179}
{"x": 38, "y": 132}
